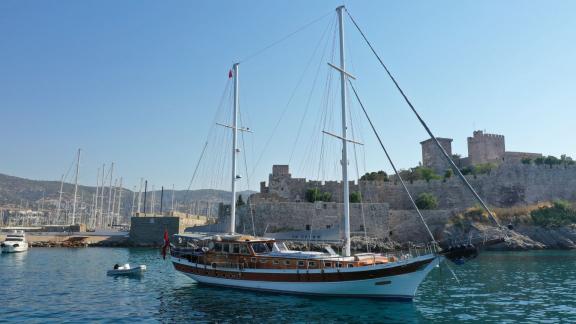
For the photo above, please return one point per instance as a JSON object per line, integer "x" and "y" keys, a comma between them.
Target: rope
{"x": 196, "y": 168}
{"x": 454, "y": 167}
{"x": 352, "y": 129}
{"x": 247, "y": 177}
{"x": 392, "y": 163}
{"x": 292, "y": 95}
{"x": 265, "y": 48}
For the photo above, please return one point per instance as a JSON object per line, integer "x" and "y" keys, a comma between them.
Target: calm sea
{"x": 70, "y": 285}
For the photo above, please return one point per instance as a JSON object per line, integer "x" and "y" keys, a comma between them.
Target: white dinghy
{"x": 126, "y": 270}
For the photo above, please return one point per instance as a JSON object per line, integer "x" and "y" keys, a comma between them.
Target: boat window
{"x": 339, "y": 265}
{"x": 276, "y": 262}
{"x": 350, "y": 265}
{"x": 260, "y": 248}
{"x": 300, "y": 263}
{"x": 311, "y": 264}
{"x": 236, "y": 248}
{"x": 218, "y": 247}
{"x": 225, "y": 247}
{"x": 263, "y": 260}
{"x": 13, "y": 239}
{"x": 328, "y": 264}
{"x": 243, "y": 249}
{"x": 287, "y": 262}
{"x": 253, "y": 260}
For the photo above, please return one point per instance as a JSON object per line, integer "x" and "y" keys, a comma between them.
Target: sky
{"x": 142, "y": 83}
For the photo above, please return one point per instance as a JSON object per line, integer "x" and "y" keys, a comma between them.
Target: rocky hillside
{"x": 15, "y": 191}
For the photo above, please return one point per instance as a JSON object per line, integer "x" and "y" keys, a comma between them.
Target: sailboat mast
{"x": 108, "y": 217}
{"x": 75, "y": 188}
{"x": 232, "y": 228}
{"x": 57, "y": 220}
{"x": 346, "y": 189}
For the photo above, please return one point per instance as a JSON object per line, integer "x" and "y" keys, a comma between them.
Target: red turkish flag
{"x": 166, "y": 244}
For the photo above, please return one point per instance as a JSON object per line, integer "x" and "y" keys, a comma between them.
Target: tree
{"x": 427, "y": 174}
{"x": 526, "y": 160}
{"x": 240, "y": 201}
{"x": 426, "y": 200}
{"x": 551, "y": 160}
{"x": 314, "y": 194}
{"x": 375, "y": 176}
{"x": 356, "y": 197}
{"x": 566, "y": 160}
{"x": 539, "y": 160}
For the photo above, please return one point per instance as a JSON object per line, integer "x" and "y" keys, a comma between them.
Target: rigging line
{"x": 358, "y": 177}
{"x": 454, "y": 167}
{"x": 312, "y": 88}
{"x": 289, "y": 100}
{"x": 265, "y": 48}
{"x": 391, "y": 162}
{"x": 196, "y": 168}
{"x": 247, "y": 176}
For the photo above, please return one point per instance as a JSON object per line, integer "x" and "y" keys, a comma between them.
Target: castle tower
{"x": 486, "y": 148}
{"x": 433, "y": 158}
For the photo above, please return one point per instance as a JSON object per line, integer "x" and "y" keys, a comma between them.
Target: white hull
{"x": 403, "y": 286}
{"x": 11, "y": 249}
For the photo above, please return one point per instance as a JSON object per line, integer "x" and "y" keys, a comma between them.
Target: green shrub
{"x": 484, "y": 168}
{"x": 375, "y": 176}
{"x": 559, "y": 214}
{"x": 356, "y": 197}
{"x": 526, "y": 160}
{"x": 314, "y": 194}
{"x": 426, "y": 200}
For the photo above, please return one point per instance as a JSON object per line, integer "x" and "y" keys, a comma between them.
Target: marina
{"x": 294, "y": 162}
{"x": 496, "y": 287}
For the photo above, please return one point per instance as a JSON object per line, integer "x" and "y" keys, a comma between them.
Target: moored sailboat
{"x": 260, "y": 263}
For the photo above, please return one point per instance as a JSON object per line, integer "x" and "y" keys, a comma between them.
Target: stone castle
{"x": 281, "y": 203}
{"x": 482, "y": 148}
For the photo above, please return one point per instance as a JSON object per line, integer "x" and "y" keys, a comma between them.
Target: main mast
{"x": 346, "y": 189}
{"x": 232, "y": 228}
{"x": 75, "y": 188}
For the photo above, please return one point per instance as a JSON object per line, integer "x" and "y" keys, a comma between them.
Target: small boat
{"x": 15, "y": 242}
{"x": 126, "y": 270}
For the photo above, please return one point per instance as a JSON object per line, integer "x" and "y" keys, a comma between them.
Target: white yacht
{"x": 15, "y": 242}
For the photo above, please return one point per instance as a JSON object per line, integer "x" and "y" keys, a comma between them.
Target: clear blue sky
{"x": 139, "y": 82}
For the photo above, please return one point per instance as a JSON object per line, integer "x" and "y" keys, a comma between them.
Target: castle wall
{"x": 291, "y": 216}
{"x": 381, "y": 222}
{"x": 507, "y": 185}
{"x": 516, "y": 157}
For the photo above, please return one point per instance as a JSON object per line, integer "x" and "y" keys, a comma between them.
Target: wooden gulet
{"x": 257, "y": 263}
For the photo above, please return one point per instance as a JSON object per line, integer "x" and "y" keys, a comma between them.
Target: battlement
{"x": 479, "y": 135}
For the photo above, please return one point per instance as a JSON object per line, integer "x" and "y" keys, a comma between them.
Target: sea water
{"x": 70, "y": 285}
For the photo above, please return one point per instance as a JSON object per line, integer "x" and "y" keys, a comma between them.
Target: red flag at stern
{"x": 166, "y": 244}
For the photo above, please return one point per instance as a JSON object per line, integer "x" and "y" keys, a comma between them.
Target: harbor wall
{"x": 150, "y": 230}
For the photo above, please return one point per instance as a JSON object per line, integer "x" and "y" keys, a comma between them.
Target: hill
{"x": 15, "y": 191}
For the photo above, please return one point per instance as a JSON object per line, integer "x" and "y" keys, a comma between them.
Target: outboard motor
{"x": 460, "y": 254}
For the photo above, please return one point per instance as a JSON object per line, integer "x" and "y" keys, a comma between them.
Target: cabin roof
{"x": 224, "y": 237}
